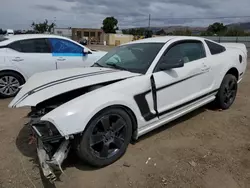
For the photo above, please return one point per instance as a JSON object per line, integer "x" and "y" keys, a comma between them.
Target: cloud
{"x": 130, "y": 13}
{"x": 48, "y": 7}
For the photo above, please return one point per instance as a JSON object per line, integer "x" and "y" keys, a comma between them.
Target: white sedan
{"x": 133, "y": 89}
{"x": 21, "y": 56}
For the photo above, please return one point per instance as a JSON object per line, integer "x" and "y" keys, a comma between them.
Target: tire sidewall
{"x": 86, "y": 153}
{"x": 18, "y": 77}
{"x": 220, "y": 95}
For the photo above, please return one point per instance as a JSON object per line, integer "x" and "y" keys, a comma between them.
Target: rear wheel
{"x": 106, "y": 138}
{"x": 9, "y": 84}
{"x": 227, "y": 92}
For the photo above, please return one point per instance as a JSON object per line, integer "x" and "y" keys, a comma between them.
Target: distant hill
{"x": 244, "y": 26}
{"x": 196, "y": 30}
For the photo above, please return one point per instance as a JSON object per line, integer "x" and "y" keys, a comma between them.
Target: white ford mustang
{"x": 130, "y": 91}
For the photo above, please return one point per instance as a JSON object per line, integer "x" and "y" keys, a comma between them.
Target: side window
{"x": 187, "y": 51}
{"x": 215, "y": 48}
{"x": 31, "y": 46}
{"x": 64, "y": 46}
{"x": 15, "y": 46}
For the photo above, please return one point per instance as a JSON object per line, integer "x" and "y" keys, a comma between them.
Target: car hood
{"x": 45, "y": 85}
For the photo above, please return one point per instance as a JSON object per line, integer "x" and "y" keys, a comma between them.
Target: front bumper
{"x": 50, "y": 165}
{"x": 52, "y": 148}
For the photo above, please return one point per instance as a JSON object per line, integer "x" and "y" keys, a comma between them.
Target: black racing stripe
{"x": 168, "y": 85}
{"x": 186, "y": 103}
{"x": 142, "y": 102}
{"x": 63, "y": 80}
{"x": 144, "y": 107}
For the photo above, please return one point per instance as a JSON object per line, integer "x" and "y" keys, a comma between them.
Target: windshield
{"x": 132, "y": 57}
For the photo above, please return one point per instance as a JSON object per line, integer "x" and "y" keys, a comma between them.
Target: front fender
{"x": 73, "y": 116}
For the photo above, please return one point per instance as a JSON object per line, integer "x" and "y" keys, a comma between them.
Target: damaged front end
{"x": 52, "y": 147}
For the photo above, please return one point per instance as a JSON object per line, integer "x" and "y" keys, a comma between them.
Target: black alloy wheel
{"x": 227, "y": 92}
{"x": 106, "y": 137}
{"x": 230, "y": 92}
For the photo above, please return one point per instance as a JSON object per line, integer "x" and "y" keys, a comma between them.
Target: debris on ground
{"x": 192, "y": 163}
{"x": 126, "y": 164}
{"x": 207, "y": 154}
{"x": 164, "y": 181}
{"x": 148, "y": 160}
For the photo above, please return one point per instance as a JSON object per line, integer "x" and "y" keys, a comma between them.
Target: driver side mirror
{"x": 175, "y": 63}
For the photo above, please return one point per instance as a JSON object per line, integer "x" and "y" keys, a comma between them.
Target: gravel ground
{"x": 205, "y": 148}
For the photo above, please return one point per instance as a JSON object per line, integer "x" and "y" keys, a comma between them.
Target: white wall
{"x": 66, "y": 32}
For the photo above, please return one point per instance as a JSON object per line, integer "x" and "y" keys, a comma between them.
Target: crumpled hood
{"x": 45, "y": 85}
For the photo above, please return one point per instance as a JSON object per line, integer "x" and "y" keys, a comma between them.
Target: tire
{"x": 9, "y": 83}
{"x": 227, "y": 92}
{"x": 98, "y": 136}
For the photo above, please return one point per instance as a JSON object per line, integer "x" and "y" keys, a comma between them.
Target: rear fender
{"x": 73, "y": 116}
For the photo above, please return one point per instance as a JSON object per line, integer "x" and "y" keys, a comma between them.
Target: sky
{"x": 19, "y": 14}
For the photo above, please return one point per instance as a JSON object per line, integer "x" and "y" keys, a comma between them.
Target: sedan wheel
{"x": 9, "y": 85}
{"x": 106, "y": 138}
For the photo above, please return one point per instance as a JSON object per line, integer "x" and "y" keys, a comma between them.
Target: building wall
{"x": 117, "y": 39}
{"x": 94, "y": 36}
{"x": 66, "y": 32}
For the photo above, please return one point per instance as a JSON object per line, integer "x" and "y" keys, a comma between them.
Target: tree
{"x": 148, "y": 33}
{"x": 110, "y": 25}
{"x": 43, "y": 27}
{"x": 217, "y": 28}
{"x": 2, "y": 32}
{"x": 236, "y": 32}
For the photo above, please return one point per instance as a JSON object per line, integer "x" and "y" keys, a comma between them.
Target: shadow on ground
{"x": 29, "y": 150}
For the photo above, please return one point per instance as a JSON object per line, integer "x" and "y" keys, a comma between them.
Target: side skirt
{"x": 176, "y": 114}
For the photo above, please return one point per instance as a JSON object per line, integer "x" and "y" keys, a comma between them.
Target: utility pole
{"x": 149, "y": 18}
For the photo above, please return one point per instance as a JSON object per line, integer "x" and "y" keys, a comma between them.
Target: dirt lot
{"x": 206, "y": 148}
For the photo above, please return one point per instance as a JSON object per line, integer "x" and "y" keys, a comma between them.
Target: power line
{"x": 200, "y": 18}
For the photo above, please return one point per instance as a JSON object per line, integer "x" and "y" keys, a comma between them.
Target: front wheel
{"x": 106, "y": 137}
{"x": 227, "y": 92}
{"x": 9, "y": 84}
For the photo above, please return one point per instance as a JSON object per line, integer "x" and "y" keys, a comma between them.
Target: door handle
{"x": 61, "y": 59}
{"x": 17, "y": 59}
{"x": 205, "y": 69}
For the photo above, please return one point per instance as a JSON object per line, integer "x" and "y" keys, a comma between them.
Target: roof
{"x": 28, "y": 36}
{"x": 164, "y": 39}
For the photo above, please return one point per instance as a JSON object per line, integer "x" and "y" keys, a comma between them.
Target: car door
{"x": 68, "y": 54}
{"x": 178, "y": 86}
{"x": 31, "y": 56}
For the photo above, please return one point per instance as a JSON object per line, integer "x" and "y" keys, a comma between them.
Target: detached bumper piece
{"x": 52, "y": 149}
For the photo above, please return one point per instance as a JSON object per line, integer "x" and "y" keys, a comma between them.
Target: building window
{"x": 86, "y": 34}
{"x": 79, "y": 34}
{"x": 59, "y": 32}
{"x": 92, "y": 34}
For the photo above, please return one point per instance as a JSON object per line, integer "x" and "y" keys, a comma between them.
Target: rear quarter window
{"x": 215, "y": 48}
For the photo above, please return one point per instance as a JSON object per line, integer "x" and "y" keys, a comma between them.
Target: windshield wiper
{"x": 99, "y": 65}
{"x": 116, "y": 66}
